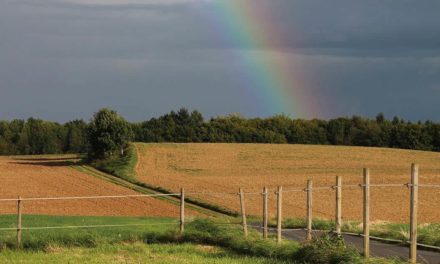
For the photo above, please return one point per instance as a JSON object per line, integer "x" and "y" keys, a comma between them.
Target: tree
{"x": 41, "y": 137}
{"x": 336, "y": 131}
{"x": 380, "y": 118}
{"x": 108, "y": 133}
{"x": 76, "y": 140}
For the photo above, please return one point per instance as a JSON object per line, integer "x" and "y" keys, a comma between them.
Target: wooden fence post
{"x": 265, "y": 212}
{"x": 366, "y": 222}
{"x": 182, "y": 210}
{"x": 243, "y": 212}
{"x": 413, "y": 213}
{"x": 338, "y": 205}
{"x": 279, "y": 213}
{"x": 309, "y": 209}
{"x": 19, "y": 221}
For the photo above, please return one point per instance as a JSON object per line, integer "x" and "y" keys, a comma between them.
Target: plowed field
{"x": 50, "y": 176}
{"x": 226, "y": 167}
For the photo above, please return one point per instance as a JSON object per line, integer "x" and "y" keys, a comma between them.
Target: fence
{"x": 413, "y": 185}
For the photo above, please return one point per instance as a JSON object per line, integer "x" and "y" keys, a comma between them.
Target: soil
{"x": 226, "y": 167}
{"x": 51, "y": 176}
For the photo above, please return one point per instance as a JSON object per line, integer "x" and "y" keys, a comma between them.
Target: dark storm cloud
{"x": 389, "y": 24}
{"x": 65, "y": 59}
{"x": 119, "y": 7}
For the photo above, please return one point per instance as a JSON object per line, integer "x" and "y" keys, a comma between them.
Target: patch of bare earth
{"x": 53, "y": 177}
{"x": 226, "y": 167}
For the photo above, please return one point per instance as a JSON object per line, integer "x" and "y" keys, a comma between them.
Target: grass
{"x": 428, "y": 234}
{"x": 123, "y": 167}
{"x": 204, "y": 241}
{"x": 84, "y": 237}
{"x": 135, "y": 253}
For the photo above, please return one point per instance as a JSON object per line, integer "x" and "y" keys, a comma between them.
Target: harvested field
{"x": 226, "y": 167}
{"x": 51, "y": 176}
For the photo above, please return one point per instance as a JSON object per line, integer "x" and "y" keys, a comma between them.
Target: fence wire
{"x": 207, "y": 193}
{"x": 429, "y": 185}
{"x": 88, "y": 197}
{"x": 83, "y": 226}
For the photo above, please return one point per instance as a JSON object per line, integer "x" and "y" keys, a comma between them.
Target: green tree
{"x": 380, "y": 118}
{"x": 108, "y": 134}
{"x": 41, "y": 137}
{"x": 76, "y": 140}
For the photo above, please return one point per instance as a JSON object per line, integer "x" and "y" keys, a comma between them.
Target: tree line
{"x": 36, "y": 136}
{"x": 107, "y": 132}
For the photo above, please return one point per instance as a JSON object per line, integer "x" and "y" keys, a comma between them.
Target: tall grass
{"x": 186, "y": 253}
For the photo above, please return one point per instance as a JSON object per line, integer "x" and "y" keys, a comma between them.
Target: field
{"x": 132, "y": 229}
{"x": 141, "y": 230}
{"x": 226, "y": 167}
{"x": 128, "y": 244}
{"x": 51, "y": 176}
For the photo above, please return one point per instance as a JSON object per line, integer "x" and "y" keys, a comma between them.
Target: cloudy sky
{"x": 65, "y": 59}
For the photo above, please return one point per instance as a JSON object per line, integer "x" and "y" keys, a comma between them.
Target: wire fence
{"x": 207, "y": 193}
{"x": 87, "y": 197}
{"x": 365, "y": 187}
{"x": 20, "y": 200}
{"x": 84, "y": 226}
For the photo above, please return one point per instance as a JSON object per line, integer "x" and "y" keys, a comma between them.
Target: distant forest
{"x": 35, "y": 136}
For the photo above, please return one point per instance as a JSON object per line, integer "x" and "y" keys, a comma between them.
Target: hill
{"x": 52, "y": 176}
{"x": 226, "y": 167}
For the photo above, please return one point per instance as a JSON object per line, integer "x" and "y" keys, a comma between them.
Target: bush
{"x": 328, "y": 249}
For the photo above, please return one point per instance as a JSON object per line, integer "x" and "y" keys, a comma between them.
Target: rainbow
{"x": 276, "y": 82}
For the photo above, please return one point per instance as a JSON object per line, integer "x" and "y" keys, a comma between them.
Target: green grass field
{"x": 204, "y": 241}
{"x": 88, "y": 237}
{"x": 134, "y": 253}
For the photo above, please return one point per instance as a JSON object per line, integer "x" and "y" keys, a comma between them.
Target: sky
{"x": 65, "y": 59}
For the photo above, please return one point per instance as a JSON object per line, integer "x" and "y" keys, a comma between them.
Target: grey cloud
{"x": 65, "y": 59}
{"x": 119, "y": 6}
{"x": 352, "y": 28}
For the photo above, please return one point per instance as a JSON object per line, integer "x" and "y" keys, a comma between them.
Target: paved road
{"x": 377, "y": 248}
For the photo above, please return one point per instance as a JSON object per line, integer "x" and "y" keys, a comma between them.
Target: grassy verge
{"x": 135, "y": 253}
{"x": 136, "y": 244}
{"x": 428, "y": 234}
{"x": 81, "y": 237}
{"x": 124, "y": 168}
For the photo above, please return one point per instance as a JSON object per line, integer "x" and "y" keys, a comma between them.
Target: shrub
{"x": 327, "y": 249}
